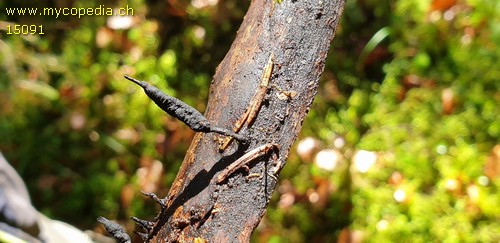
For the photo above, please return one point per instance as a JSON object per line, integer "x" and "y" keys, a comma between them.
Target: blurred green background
{"x": 401, "y": 144}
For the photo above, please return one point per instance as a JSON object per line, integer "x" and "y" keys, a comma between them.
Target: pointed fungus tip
{"x": 102, "y": 219}
{"x": 140, "y": 83}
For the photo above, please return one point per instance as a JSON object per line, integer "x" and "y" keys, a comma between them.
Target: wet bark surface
{"x": 198, "y": 208}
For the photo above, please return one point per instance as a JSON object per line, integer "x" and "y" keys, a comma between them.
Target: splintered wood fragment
{"x": 245, "y": 159}
{"x": 182, "y": 111}
{"x": 237, "y": 127}
{"x": 253, "y": 175}
{"x": 250, "y": 113}
{"x": 114, "y": 229}
{"x": 261, "y": 94}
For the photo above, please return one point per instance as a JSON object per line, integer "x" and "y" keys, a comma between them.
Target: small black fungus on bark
{"x": 116, "y": 230}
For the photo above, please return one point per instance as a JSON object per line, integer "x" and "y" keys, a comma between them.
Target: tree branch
{"x": 199, "y": 207}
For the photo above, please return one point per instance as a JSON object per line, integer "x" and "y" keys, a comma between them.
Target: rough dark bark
{"x": 298, "y": 33}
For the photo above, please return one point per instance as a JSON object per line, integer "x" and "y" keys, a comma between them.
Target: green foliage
{"x": 422, "y": 96}
{"x": 407, "y": 82}
{"x": 77, "y": 131}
